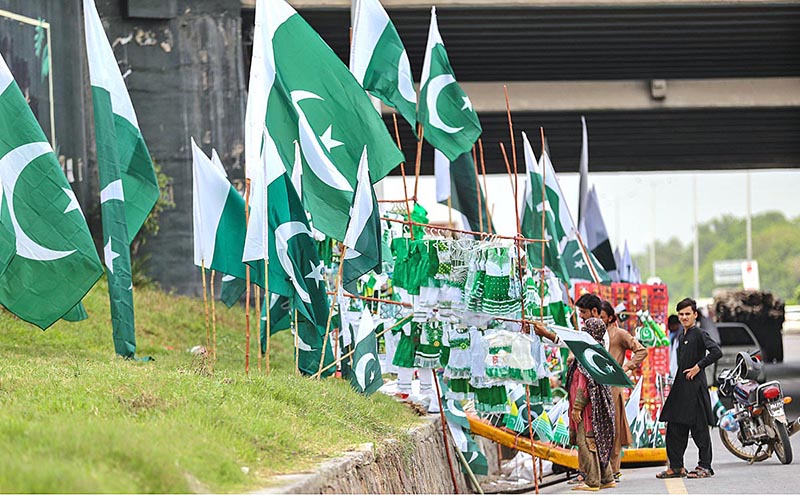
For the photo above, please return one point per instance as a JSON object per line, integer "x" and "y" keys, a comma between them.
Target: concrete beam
{"x": 532, "y": 3}
{"x": 555, "y": 96}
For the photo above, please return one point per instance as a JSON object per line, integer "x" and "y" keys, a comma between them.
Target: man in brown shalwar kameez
{"x": 619, "y": 342}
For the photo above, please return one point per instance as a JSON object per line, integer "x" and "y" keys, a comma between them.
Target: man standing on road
{"x": 619, "y": 342}
{"x": 688, "y": 406}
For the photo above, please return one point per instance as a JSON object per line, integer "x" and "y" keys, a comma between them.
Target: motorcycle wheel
{"x": 782, "y": 445}
{"x": 745, "y": 452}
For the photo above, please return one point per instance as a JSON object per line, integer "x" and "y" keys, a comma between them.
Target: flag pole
{"x": 257, "y": 303}
{"x": 485, "y": 187}
{"x": 478, "y": 189}
{"x": 205, "y": 305}
{"x": 402, "y": 170}
{"x": 418, "y": 161}
{"x": 267, "y": 302}
{"x": 247, "y": 285}
{"x": 444, "y": 433}
{"x": 338, "y": 282}
{"x": 213, "y": 319}
{"x": 296, "y": 344}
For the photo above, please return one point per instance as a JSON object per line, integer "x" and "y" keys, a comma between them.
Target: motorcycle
{"x": 756, "y": 426}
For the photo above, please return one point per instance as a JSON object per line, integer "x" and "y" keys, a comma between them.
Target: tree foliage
{"x": 776, "y": 247}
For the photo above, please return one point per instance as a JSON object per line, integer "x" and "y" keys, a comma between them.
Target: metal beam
{"x": 526, "y": 3}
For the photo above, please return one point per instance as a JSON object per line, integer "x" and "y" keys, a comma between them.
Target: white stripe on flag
{"x": 112, "y": 191}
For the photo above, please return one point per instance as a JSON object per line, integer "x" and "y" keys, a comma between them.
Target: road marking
{"x": 675, "y": 486}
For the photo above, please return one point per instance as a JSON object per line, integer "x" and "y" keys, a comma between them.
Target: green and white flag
{"x": 561, "y": 432}
{"x": 295, "y": 270}
{"x": 445, "y": 111}
{"x": 457, "y": 180}
{"x": 128, "y": 184}
{"x": 593, "y": 356}
{"x": 219, "y": 222}
{"x": 363, "y": 236}
{"x": 632, "y": 406}
{"x": 532, "y": 206}
{"x": 566, "y": 232}
{"x": 542, "y": 427}
{"x": 48, "y": 257}
{"x": 366, "y": 378}
{"x": 378, "y": 59}
{"x": 460, "y": 432}
{"x": 305, "y": 94}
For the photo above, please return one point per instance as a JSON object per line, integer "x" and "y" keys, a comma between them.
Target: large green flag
{"x": 363, "y": 237}
{"x": 219, "y": 221}
{"x": 378, "y": 59}
{"x": 317, "y": 117}
{"x": 531, "y": 227}
{"x": 128, "y": 185}
{"x": 47, "y": 258}
{"x": 366, "y": 378}
{"x": 593, "y": 356}
{"x": 576, "y": 259}
{"x": 445, "y": 111}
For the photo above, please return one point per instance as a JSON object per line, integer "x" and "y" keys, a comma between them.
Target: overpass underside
{"x": 664, "y": 86}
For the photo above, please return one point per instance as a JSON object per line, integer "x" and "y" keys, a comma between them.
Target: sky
{"x": 640, "y": 207}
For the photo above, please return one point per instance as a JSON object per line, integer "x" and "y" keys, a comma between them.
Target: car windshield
{"x": 735, "y": 336}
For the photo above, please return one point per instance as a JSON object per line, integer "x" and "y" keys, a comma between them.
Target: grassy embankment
{"x": 75, "y": 418}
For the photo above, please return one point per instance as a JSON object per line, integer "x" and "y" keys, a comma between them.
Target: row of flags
{"x": 48, "y": 260}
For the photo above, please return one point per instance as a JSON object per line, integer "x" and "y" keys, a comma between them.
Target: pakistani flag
{"x": 378, "y": 59}
{"x": 219, "y": 224}
{"x": 363, "y": 236}
{"x": 583, "y": 170}
{"x": 367, "y": 376}
{"x": 460, "y": 432}
{"x": 594, "y": 357}
{"x": 48, "y": 260}
{"x": 566, "y": 232}
{"x": 457, "y": 180}
{"x": 632, "y": 407}
{"x": 445, "y": 111}
{"x": 626, "y": 268}
{"x": 531, "y": 226}
{"x": 306, "y": 95}
{"x": 594, "y": 233}
{"x": 128, "y": 185}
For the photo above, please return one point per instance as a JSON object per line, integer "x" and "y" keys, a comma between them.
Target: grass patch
{"x": 75, "y": 418}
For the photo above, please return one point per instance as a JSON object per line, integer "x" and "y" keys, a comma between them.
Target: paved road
{"x": 732, "y": 475}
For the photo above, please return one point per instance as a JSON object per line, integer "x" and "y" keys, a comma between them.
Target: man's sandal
{"x": 700, "y": 472}
{"x": 669, "y": 473}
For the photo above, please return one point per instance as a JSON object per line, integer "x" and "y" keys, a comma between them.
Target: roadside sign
{"x": 750, "y": 278}
{"x": 728, "y": 272}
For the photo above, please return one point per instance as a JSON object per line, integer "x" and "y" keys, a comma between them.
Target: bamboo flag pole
{"x": 485, "y": 187}
{"x": 418, "y": 163}
{"x": 257, "y": 302}
{"x": 478, "y": 189}
{"x": 213, "y": 319}
{"x": 402, "y": 170}
{"x": 296, "y": 344}
{"x": 444, "y": 433}
{"x": 205, "y": 305}
{"x": 247, "y": 285}
{"x": 338, "y": 282}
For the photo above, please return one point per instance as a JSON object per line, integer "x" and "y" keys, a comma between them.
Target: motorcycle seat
{"x": 745, "y": 392}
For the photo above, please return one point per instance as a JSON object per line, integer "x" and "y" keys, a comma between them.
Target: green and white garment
{"x": 429, "y": 351}
{"x": 509, "y": 358}
{"x": 498, "y": 296}
{"x": 407, "y": 345}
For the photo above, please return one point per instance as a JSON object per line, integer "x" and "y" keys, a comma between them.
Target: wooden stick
{"x": 373, "y": 299}
{"x": 421, "y": 133}
{"x": 338, "y": 282}
{"x": 485, "y": 187}
{"x": 514, "y": 188}
{"x": 260, "y": 315}
{"x": 478, "y": 189}
{"x": 247, "y": 286}
{"x": 205, "y": 306}
{"x": 462, "y": 231}
{"x": 444, "y": 433}
{"x": 530, "y": 435}
{"x": 213, "y": 320}
{"x": 296, "y": 343}
{"x": 511, "y": 131}
{"x": 268, "y": 302}
{"x": 403, "y": 171}
{"x": 449, "y": 211}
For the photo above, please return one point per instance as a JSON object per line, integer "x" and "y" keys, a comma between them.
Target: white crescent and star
{"x": 312, "y": 145}
{"x": 590, "y": 356}
{"x": 435, "y": 87}
{"x": 283, "y": 234}
{"x": 11, "y": 167}
{"x": 361, "y": 369}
